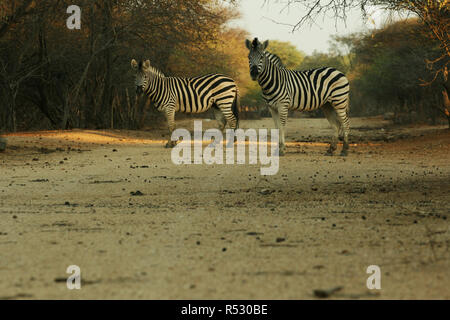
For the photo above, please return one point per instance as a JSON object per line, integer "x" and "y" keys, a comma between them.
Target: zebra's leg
{"x": 275, "y": 117}
{"x": 279, "y": 116}
{"x": 276, "y": 120}
{"x": 229, "y": 116}
{"x": 170, "y": 116}
{"x": 345, "y": 125}
{"x": 331, "y": 115}
{"x": 227, "y": 112}
{"x": 220, "y": 120}
{"x": 218, "y": 114}
{"x": 283, "y": 114}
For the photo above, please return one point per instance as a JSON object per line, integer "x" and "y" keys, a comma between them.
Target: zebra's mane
{"x": 152, "y": 70}
{"x": 155, "y": 72}
{"x": 275, "y": 60}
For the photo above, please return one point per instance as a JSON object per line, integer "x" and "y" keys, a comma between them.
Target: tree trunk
{"x": 65, "y": 117}
{"x": 446, "y": 95}
{"x": 52, "y": 113}
{"x": 107, "y": 93}
{"x": 13, "y": 121}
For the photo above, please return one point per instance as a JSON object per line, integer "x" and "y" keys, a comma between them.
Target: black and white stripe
{"x": 285, "y": 89}
{"x": 189, "y": 95}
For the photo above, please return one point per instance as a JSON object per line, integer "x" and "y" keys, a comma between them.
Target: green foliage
{"x": 319, "y": 59}
{"x": 388, "y": 67}
{"x": 252, "y": 96}
{"x": 289, "y": 54}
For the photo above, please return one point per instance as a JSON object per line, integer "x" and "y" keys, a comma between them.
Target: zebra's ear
{"x": 248, "y": 44}
{"x": 134, "y": 64}
{"x": 147, "y": 64}
{"x": 265, "y": 44}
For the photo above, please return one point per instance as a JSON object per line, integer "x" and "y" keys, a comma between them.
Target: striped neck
{"x": 276, "y": 60}
{"x": 271, "y": 71}
{"x": 155, "y": 88}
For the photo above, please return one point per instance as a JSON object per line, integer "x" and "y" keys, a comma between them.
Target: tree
{"x": 12, "y": 11}
{"x": 292, "y": 57}
{"x": 387, "y": 68}
{"x": 64, "y": 78}
{"x": 434, "y": 15}
{"x": 320, "y": 59}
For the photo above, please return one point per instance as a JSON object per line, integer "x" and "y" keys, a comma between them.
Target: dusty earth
{"x": 140, "y": 227}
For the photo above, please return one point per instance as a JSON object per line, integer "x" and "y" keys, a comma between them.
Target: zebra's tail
{"x": 235, "y": 108}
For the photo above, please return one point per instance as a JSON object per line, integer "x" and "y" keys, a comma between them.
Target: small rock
{"x": 266, "y": 191}
{"x": 325, "y": 293}
{"x": 318, "y": 267}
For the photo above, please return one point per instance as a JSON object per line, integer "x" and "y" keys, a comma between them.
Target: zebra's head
{"x": 256, "y": 56}
{"x": 141, "y": 78}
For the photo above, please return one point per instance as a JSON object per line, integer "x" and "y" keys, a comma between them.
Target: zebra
{"x": 188, "y": 95}
{"x": 284, "y": 89}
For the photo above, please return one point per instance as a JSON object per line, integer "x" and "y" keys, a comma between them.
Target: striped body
{"x": 304, "y": 90}
{"x": 189, "y": 95}
{"x": 193, "y": 95}
{"x": 284, "y": 89}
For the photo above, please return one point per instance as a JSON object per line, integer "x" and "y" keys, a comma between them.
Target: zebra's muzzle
{"x": 139, "y": 90}
{"x": 254, "y": 73}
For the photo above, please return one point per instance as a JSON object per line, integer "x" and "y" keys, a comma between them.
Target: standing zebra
{"x": 189, "y": 95}
{"x": 285, "y": 90}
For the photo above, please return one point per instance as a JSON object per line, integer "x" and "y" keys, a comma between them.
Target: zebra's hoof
{"x": 330, "y": 151}
{"x": 344, "y": 153}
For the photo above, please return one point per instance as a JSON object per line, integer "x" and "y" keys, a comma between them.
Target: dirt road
{"x": 140, "y": 227}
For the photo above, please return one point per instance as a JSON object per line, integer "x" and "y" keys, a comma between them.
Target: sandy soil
{"x": 224, "y": 231}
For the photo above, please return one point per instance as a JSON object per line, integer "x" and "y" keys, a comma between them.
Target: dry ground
{"x": 224, "y": 231}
